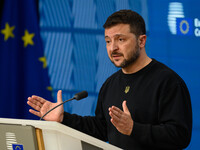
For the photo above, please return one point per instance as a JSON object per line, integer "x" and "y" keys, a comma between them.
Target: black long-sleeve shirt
{"x": 160, "y": 106}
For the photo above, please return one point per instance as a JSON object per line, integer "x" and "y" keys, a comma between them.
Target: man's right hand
{"x": 41, "y": 106}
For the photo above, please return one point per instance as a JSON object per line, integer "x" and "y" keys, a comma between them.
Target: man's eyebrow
{"x": 116, "y": 35}
{"x": 106, "y": 36}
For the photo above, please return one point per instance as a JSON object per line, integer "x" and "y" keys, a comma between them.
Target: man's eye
{"x": 107, "y": 42}
{"x": 120, "y": 39}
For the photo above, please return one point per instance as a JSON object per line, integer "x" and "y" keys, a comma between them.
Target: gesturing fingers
{"x": 122, "y": 120}
{"x": 36, "y": 102}
{"x": 118, "y": 118}
{"x": 35, "y": 112}
{"x": 38, "y": 99}
{"x": 115, "y": 113}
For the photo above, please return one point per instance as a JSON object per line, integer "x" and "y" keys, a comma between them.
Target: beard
{"x": 126, "y": 62}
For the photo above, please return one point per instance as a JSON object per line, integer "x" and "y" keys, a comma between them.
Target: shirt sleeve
{"x": 175, "y": 121}
{"x": 91, "y": 125}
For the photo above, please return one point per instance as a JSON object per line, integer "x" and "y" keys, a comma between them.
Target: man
{"x": 145, "y": 105}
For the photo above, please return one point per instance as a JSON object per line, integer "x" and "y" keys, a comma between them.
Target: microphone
{"x": 81, "y": 95}
{"x": 77, "y": 96}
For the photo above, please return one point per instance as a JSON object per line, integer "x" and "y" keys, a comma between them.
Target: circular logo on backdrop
{"x": 184, "y": 27}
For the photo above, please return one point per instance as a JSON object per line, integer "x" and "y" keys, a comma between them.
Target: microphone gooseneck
{"x": 77, "y": 96}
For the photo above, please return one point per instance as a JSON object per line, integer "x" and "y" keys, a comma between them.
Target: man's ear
{"x": 142, "y": 41}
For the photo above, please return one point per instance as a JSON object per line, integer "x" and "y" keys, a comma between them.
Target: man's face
{"x": 122, "y": 46}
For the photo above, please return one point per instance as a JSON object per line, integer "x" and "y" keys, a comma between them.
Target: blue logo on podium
{"x": 17, "y": 147}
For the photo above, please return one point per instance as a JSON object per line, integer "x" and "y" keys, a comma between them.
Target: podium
{"x": 19, "y": 134}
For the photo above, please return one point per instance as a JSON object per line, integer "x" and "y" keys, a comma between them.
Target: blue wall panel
{"x": 74, "y": 45}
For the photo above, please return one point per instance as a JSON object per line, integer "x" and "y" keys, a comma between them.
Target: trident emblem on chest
{"x": 127, "y": 89}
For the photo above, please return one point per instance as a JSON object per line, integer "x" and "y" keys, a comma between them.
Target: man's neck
{"x": 142, "y": 61}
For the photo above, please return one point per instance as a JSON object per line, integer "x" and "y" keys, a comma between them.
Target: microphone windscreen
{"x": 81, "y": 95}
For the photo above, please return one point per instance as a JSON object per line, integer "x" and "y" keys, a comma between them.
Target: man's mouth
{"x": 116, "y": 56}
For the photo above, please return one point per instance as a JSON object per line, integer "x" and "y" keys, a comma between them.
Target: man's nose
{"x": 114, "y": 46}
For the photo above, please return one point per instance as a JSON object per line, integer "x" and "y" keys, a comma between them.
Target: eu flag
{"x": 184, "y": 26}
{"x": 22, "y": 62}
{"x": 17, "y": 147}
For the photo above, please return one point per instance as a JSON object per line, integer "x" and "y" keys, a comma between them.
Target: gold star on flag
{"x": 49, "y": 88}
{"x": 44, "y": 61}
{"x": 8, "y": 32}
{"x": 28, "y": 38}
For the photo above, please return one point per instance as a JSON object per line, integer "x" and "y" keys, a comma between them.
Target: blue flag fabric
{"x": 22, "y": 62}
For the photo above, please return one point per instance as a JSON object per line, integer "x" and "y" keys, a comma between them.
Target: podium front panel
{"x": 17, "y": 137}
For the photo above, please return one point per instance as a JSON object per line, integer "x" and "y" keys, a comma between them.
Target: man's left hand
{"x": 122, "y": 120}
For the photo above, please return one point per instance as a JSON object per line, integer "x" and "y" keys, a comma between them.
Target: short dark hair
{"x": 136, "y": 22}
